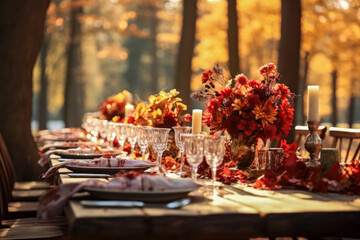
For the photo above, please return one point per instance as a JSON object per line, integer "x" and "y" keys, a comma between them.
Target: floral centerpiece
{"x": 164, "y": 110}
{"x": 247, "y": 109}
{"x": 114, "y": 106}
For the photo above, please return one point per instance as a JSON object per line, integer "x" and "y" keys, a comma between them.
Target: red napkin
{"x": 52, "y": 203}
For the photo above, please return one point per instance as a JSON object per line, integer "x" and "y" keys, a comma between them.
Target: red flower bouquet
{"x": 247, "y": 109}
{"x": 114, "y": 106}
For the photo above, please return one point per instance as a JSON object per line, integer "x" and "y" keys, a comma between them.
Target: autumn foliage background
{"x": 133, "y": 45}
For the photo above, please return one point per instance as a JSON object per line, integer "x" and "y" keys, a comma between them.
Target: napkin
{"x": 85, "y": 149}
{"x": 52, "y": 203}
{"x": 98, "y": 162}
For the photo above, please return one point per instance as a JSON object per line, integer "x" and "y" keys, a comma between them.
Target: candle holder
{"x": 313, "y": 144}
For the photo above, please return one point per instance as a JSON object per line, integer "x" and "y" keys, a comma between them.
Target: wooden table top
{"x": 239, "y": 211}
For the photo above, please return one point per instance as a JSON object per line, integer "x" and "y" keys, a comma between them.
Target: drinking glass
{"x": 179, "y": 131}
{"x": 160, "y": 142}
{"x": 131, "y": 137}
{"x": 143, "y": 135}
{"x": 120, "y": 129}
{"x": 214, "y": 151}
{"x": 194, "y": 149}
{"x": 110, "y": 133}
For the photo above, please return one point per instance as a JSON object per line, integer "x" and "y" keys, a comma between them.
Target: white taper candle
{"x": 196, "y": 121}
{"x": 128, "y": 109}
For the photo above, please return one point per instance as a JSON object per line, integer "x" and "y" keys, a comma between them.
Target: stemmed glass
{"x": 214, "y": 150}
{"x": 160, "y": 142}
{"x": 121, "y": 134}
{"x": 103, "y": 125}
{"x": 194, "y": 149}
{"x": 131, "y": 136}
{"x": 179, "y": 131}
{"x": 143, "y": 135}
{"x": 110, "y": 134}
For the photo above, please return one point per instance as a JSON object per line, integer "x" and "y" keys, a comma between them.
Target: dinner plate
{"x": 64, "y": 147}
{"x": 103, "y": 170}
{"x": 66, "y": 154}
{"x": 145, "y": 196}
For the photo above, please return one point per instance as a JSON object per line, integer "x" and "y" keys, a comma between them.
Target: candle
{"x": 196, "y": 121}
{"x": 128, "y": 109}
{"x": 313, "y": 103}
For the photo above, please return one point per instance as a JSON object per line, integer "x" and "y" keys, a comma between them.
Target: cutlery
{"x": 114, "y": 204}
{"x": 65, "y": 159}
{"x": 88, "y": 175}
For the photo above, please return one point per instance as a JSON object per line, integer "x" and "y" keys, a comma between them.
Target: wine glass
{"x": 110, "y": 133}
{"x": 214, "y": 151}
{"x": 131, "y": 137}
{"x": 194, "y": 149}
{"x": 120, "y": 129}
{"x": 160, "y": 142}
{"x": 179, "y": 131}
{"x": 143, "y": 135}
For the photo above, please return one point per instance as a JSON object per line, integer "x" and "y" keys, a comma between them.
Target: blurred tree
{"x": 334, "y": 78}
{"x": 289, "y": 48}
{"x": 186, "y": 51}
{"x": 154, "y": 22}
{"x": 136, "y": 45}
{"x": 233, "y": 38}
{"x": 74, "y": 85}
{"x": 21, "y": 25}
{"x": 43, "y": 83}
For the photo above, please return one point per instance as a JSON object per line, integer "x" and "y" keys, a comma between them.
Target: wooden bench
{"x": 346, "y": 134}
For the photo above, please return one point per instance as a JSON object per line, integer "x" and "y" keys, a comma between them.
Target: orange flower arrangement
{"x": 259, "y": 109}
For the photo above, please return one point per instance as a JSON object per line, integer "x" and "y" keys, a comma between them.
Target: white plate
{"x": 103, "y": 170}
{"x": 67, "y": 154}
{"x": 145, "y": 196}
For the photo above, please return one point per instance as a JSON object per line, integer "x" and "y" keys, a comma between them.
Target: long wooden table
{"x": 239, "y": 211}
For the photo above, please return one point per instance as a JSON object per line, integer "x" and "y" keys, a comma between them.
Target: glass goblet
{"x": 194, "y": 149}
{"x": 120, "y": 129}
{"x": 214, "y": 151}
{"x": 160, "y": 138}
{"x": 143, "y": 138}
{"x": 131, "y": 137}
{"x": 179, "y": 131}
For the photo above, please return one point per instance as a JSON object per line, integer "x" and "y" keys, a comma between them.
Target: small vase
{"x": 242, "y": 149}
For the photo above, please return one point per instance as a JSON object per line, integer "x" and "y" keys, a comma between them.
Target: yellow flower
{"x": 242, "y": 90}
{"x": 237, "y": 105}
{"x": 265, "y": 112}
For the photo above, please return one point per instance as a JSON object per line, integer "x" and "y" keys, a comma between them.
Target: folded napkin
{"x": 52, "y": 203}
{"x": 98, "y": 162}
{"x": 47, "y": 147}
{"x": 85, "y": 149}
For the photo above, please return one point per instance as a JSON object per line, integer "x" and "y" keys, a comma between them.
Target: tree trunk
{"x": 21, "y": 27}
{"x": 136, "y": 47}
{"x": 351, "y": 108}
{"x": 153, "y": 49}
{"x": 289, "y": 48}
{"x": 43, "y": 84}
{"x": 74, "y": 85}
{"x": 186, "y": 50}
{"x": 333, "y": 100}
{"x": 303, "y": 87}
{"x": 233, "y": 38}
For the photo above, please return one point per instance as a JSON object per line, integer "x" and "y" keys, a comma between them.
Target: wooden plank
{"x": 313, "y": 224}
{"x": 201, "y": 219}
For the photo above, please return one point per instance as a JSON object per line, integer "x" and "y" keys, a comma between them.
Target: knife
{"x": 88, "y": 175}
{"x": 65, "y": 159}
{"x": 116, "y": 204}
